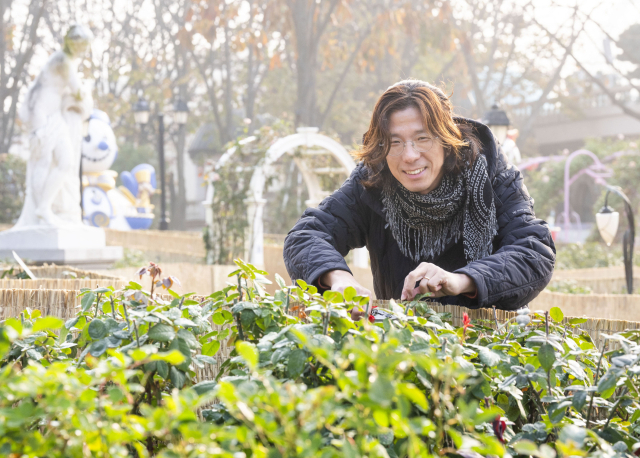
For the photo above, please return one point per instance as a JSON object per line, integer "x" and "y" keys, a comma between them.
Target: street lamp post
{"x": 498, "y": 121}
{"x": 164, "y": 222}
{"x": 141, "y": 111}
{"x": 607, "y": 221}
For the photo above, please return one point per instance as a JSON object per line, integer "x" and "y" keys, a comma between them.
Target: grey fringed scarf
{"x": 462, "y": 205}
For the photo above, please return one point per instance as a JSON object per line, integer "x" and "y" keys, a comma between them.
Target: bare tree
{"x": 500, "y": 51}
{"x": 233, "y": 54}
{"x": 18, "y": 39}
{"x": 612, "y": 95}
{"x": 318, "y": 29}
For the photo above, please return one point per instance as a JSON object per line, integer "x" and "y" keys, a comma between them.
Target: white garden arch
{"x": 316, "y": 144}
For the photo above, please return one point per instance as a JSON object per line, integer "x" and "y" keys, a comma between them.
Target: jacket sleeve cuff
{"x": 472, "y": 296}
{"x": 481, "y": 294}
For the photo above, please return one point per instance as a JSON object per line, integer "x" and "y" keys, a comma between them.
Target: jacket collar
{"x": 373, "y": 198}
{"x": 489, "y": 148}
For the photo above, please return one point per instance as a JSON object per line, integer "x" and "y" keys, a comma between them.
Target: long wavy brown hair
{"x": 460, "y": 145}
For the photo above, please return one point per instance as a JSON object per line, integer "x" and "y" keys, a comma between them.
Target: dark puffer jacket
{"x": 352, "y": 217}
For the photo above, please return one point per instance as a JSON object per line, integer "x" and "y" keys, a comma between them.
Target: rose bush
{"x": 119, "y": 379}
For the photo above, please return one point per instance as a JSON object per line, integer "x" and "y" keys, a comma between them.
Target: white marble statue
{"x": 54, "y": 110}
{"x": 50, "y": 227}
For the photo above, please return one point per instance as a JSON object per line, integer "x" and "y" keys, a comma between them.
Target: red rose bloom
{"x": 499, "y": 427}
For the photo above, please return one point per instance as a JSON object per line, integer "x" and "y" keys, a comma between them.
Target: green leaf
{"x": 296, "y": 364}
{"x": 382, "y": 391}
{"x": 189, "y": 338}
{"x": 87, "y": 301}
{"x": 204, "y": 387}
{"x": 525, "y": 447}
{"x": 182, "y": 346}
{"x": 185, "y": 322}
{"x": 381, "y": 417}
{"x": 573, "y": 433}
{"x": 173, "y": 357}
{"x": 34, "y": 354}
{"x": 48, "y": 322}
{"x": 206, "y": 359}
{"x": 162, "y": 333}
{"x": 218, "y": 318}
{"x": 576, "y": 370}
{"x": 97, "y": 330}
{"x": 247, "y": 317}
{"x": 98, "y": 348}
{"x": 386, "y": 438}
{"x": 546, "y": 356}
{"x": 211, "y": 348}
{"x": 177, "y": 377}
{"x": 248, "y": 352}
{"x": 71, "y": 322}
{"x": 349, "y": 293}
{"x": 280, "y": 281}
{"x": 580, "y": 399}
{"x": 111, "y": 324}
{"x": 16, "y": 325}
{"x": 162, "y": 369}
{"x": 488, "y": 357}
{"x": 556, "y": 314}
{"x": 577, "y": 320}
{"x": 607, "y": 384}
{"x": 143, "y": 352}
{"x": 557, "y": 413}
{"x": 332, "y": 296}
{"x": 62, "y": 337}
{"x": 414, "y": 394}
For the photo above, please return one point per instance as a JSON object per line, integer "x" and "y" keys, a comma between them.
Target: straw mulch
{"x": 53, "y": 302}
{"x": 52, "y": 277}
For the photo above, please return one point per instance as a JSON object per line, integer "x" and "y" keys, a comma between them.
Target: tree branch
{"x": 211, "y": 92}
{"x": 343, "y": 75}
{"x": 325, "y": 21}
{"x": 538, "y": 104}
{"x": 600, "y": 84}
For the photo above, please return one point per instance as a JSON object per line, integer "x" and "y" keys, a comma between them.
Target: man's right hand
{"x": 339, "y": 280}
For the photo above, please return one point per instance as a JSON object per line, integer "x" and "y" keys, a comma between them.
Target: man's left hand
{"x": 437, "y": 281}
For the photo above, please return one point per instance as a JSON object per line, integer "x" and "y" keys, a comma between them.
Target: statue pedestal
{"x": 76, "y": 245}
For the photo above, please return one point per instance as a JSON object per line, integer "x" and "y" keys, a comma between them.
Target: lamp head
{"x": 181, "y": 112}
{"x": 141, "y": 111}
{"x": 498, "y": 121}
{"x": 607, "y": 221}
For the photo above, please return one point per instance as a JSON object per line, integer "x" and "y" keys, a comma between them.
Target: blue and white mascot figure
{"x": 125, "y": 207}
{"x": 99, "y": 150}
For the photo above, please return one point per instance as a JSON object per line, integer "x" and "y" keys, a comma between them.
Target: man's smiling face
{"x": 419, "y": 172}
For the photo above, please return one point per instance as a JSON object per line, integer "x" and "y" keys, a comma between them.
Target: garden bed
{"x": 129, "y": 369}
